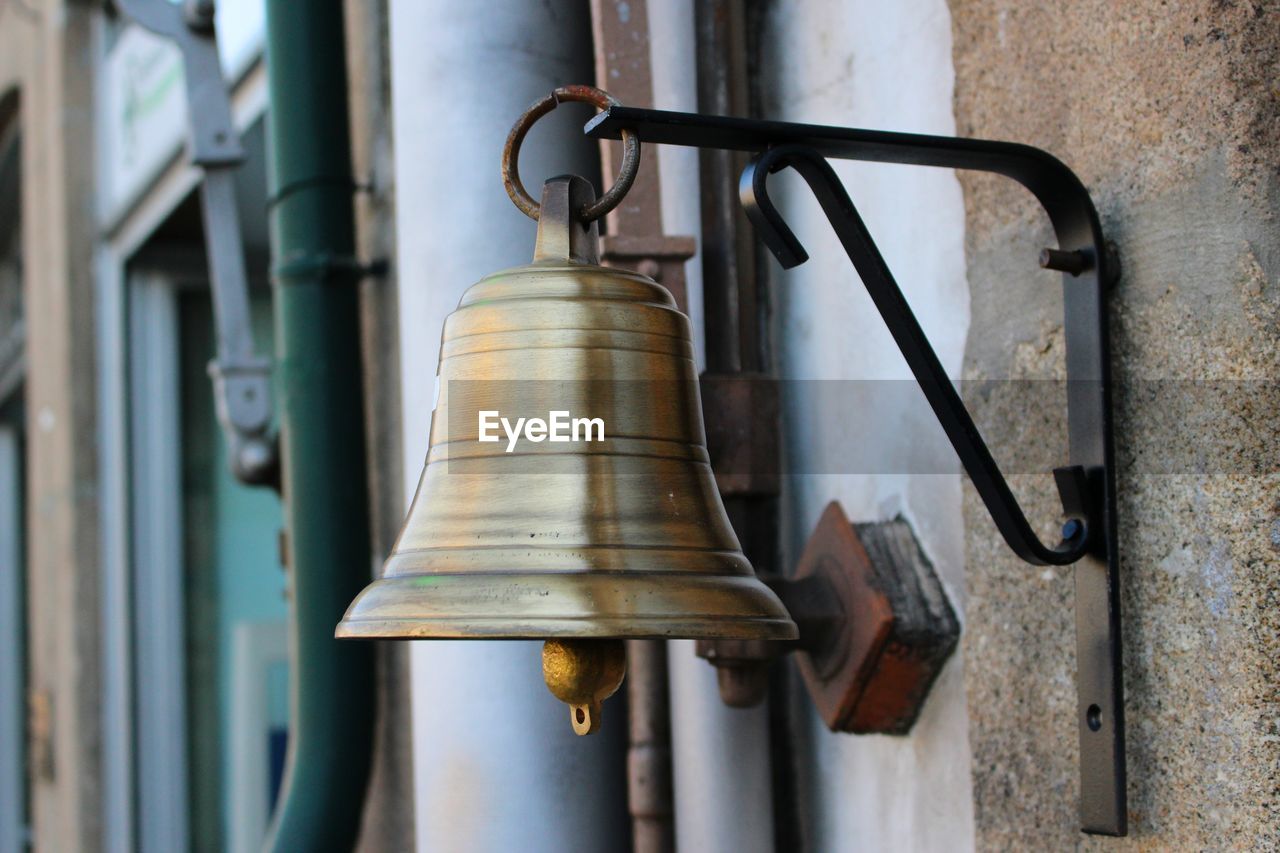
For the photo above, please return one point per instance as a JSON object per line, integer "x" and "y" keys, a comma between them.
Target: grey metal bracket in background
{"x": 241, "y": 378}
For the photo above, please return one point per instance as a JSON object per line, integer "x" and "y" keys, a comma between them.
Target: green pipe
{"x": 321, "y": 426}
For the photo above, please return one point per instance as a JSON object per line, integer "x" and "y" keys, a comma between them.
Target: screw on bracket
{"x": 1077, "y": 262}
{"x": 1068, "y": 262}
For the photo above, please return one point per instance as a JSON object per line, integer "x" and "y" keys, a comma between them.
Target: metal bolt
{"x": 1069, "y": 262}
{"x": 1072, "y": 529}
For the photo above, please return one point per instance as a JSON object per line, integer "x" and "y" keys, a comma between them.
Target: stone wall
{"x": 1170, "y": 113}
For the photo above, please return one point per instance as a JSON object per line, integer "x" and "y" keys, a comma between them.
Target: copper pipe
{"x": 621, "y": 43}
{"x": 649, "y": 753}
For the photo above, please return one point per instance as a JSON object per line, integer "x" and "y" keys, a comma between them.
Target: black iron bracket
{"x": 1087, "y": 484}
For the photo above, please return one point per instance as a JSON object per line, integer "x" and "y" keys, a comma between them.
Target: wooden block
{"x": 876, "y": 624}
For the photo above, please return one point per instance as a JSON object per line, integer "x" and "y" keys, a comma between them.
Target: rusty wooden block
{"x": 875, "y": 622}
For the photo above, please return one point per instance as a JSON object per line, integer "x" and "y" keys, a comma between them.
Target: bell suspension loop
{"x": 563, "y": 235}
{"x": 569, "y": 210}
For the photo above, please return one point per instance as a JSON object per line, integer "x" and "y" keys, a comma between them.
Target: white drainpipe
{"x": 497, "y": 766}
{"x": 721, "y": 772}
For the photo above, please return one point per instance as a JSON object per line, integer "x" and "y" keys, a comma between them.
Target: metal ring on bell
{"x": 511, "y": 152}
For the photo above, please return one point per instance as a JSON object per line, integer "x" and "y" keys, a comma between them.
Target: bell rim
{"x": 779, "y": 629}
{"x": 576, "y": 604}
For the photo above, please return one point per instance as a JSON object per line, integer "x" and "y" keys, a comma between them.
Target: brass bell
{"x": 617, "y": 534}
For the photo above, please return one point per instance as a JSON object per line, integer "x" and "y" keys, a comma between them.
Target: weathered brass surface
{"x": 623, "y": 537}
{"x": 582, "y": 674}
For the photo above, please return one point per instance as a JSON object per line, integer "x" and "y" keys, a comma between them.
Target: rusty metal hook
{"x": 511, "y": 152}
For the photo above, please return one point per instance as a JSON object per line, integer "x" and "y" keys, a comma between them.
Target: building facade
{"x": 144, "y": 661}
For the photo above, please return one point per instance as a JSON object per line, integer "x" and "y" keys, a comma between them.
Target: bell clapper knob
{"x": 582, "y": 674}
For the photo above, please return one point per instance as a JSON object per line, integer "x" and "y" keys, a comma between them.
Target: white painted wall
{"x": 496, "y": 764}
{"x": 721, "y": 771}
{"x": 881, "y": 65}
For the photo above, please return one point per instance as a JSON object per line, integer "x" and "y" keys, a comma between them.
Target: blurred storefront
{"x": 182, "y": 688}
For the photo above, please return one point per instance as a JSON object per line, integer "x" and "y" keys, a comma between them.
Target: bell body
{"x": 622, "y": 535}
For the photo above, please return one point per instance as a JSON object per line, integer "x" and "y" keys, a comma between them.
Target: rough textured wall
{"x": 1170, "y": 114}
